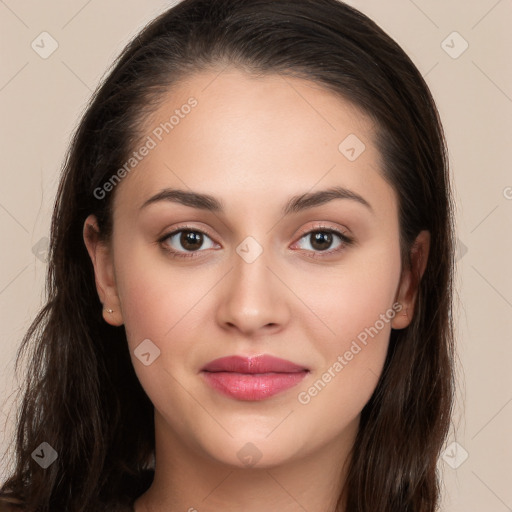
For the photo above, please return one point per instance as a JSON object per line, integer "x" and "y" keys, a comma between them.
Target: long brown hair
{"x": 81, "y": 394}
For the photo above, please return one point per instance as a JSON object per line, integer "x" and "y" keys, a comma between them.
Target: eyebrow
{"x": 295, "y": 204}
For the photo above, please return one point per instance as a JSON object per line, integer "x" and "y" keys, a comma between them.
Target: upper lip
{"x": 254, "y": 364}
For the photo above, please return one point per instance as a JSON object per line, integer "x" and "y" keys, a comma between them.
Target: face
{"x": 317, "y": 284}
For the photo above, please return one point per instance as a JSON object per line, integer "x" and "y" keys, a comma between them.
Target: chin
{"x": 254, "y": 451}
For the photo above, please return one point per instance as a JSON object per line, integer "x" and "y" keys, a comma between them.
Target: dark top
{"x": 7, "y": 507}
{"x": 133, "y": 489}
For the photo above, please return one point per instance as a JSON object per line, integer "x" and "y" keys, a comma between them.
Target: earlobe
{"x": 410, "y": 281}
{"x": 101, "y": 258}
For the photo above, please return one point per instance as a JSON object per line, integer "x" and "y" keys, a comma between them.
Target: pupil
{"x": 191, "y": 239}
{"x": 322, "y": 237}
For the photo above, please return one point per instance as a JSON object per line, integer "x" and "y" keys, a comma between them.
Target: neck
{"x": 187, "y": 479}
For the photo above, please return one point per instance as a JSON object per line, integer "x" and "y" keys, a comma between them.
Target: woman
{"x": 250, "y": 276}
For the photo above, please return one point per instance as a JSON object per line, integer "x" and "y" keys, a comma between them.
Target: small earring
{"x": 108, "y": 310}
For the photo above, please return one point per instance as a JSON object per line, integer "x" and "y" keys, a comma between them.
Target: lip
{"x": 254, "y": 364}
{"x": 252, "y": 378}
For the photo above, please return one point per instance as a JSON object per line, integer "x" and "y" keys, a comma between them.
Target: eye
{"x": 189, "y": 239}
{"x": 321, "y": 239}
{"x": 185, "y": 241}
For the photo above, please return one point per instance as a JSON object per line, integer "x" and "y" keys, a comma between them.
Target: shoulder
{"x": 11, "y": 507}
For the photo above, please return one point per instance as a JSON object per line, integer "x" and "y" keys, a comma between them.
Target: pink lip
{"x": 252, "y": 378}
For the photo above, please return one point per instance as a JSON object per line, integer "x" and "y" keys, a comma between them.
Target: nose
{"x": 253, "y": 297}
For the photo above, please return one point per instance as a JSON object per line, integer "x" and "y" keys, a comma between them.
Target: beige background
{"x": 41, "y": 100}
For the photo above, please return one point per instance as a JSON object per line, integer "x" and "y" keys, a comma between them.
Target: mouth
{"x": 252, "y": 378}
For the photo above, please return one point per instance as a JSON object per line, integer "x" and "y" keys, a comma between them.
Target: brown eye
{"x": 321, "y": 240}
{"x": 185, "y": 240}
{"x": 191, "y": 240}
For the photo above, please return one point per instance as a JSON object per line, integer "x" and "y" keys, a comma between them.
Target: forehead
{"x": 232, "y": 134}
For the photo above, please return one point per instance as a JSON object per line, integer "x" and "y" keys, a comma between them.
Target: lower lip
{"x": 257, "y": 386}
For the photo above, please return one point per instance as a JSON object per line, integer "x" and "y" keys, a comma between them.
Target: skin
{"x": 253, "y": 142}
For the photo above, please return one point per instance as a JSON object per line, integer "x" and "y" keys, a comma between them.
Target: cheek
{"x": 165, "y": 305}
{"x": 158, "y": 305}
{"x": 355, "y": 303}
{"x": 353, "y": 296}
{"x": 154, "y": 297}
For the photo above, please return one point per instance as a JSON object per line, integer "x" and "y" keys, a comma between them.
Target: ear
{"x": 101, "y": 257}
{"x": 410, "y": 281}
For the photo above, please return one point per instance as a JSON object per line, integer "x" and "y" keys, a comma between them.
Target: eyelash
{"x": 345, "y": 239}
